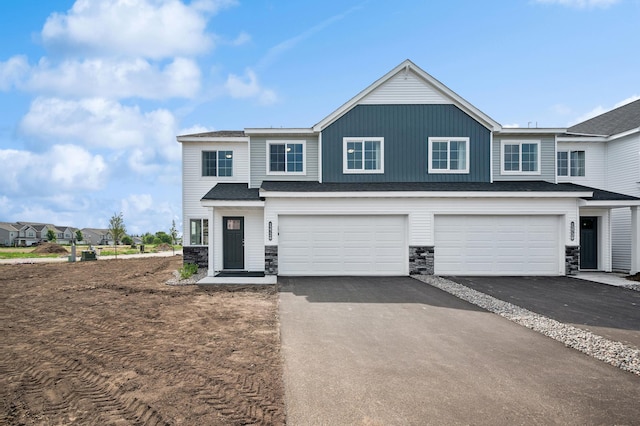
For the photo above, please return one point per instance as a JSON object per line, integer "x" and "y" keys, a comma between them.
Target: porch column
{"x": 211, "y": 269}
{"x": 635, "y": 240}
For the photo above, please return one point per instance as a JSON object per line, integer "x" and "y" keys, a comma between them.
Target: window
{"x": 571, "y": 163}
{"x": 520, "y": 157}
{"x": 217, "y": 163}
{"x": 285, "y": 157}
{"x": 199, "y": 231}
{"x": 449, "y": 155}
{"x": 363, "y": 155}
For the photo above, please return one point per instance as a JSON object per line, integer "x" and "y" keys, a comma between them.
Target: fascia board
{"x": 425, "y": 194}
{"x": 231, "y": 203}
{"x": 530, "y": 131}
{"x": 287, "y": 131}
{"x": 582, "y": 139}
{"x": 623, "y": 134}
{"x": 609, "y": 203}
{"x": 212, "y": 139}
{"x": 459, "y": 101}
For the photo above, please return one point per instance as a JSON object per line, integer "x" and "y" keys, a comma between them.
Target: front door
{"x": 588, "y": 243}
{"x": 233, "y": 242}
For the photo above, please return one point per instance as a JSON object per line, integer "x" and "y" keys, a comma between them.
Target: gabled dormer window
{"x": 520, "y": 157}
{"x": 363, "y": 155}
{"x": 285, "y": 157}
{"x": 217, "y": 163}
{"x": 448, "y": 155}
{"x": 571, "y": 163}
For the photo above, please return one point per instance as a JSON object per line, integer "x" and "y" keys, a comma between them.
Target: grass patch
{"x": 23, "y": 255}
{"x": 187, "y": 270}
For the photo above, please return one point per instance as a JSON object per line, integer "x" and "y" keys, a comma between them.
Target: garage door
{"x": 497, "y": 245}
{"x": 342, "y": 245}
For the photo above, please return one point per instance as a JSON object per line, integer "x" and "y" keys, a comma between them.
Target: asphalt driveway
{"x": 609, "y": 311}
{"x": 397, "y": 351}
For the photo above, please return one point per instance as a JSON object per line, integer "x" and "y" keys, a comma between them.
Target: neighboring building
{"x": 405, "y": 178}
{"x": 96, "y": 236}
{"x": 27, "y": 234}
{"x": 8, "y": 234}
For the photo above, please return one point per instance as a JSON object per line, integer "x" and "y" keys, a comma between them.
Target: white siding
{"x": 595, "y": 163}
{"x": 405, "y": 88}
{"x": 195, "y": 186}
{"x": 623, "y": 176}
{"x": 253, "y": 240}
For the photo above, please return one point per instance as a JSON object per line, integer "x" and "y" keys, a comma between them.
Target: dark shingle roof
{"x": 616, "y": 121}
{"x": 218, "y": 134}
{"x": 232, "y": 192}
{"x": 502, "y": 186}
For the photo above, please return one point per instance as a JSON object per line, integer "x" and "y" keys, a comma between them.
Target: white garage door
{"x": 497, "y": 245}
{"x": 342, "y": 245}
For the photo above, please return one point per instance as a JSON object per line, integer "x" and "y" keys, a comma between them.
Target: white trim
{"x": 491, "y": 157}
{"x": 405, "y": 66}
{"x": 623, "y": 134}
{"x": 609, "y": 203}
{"x": 231, "y": 203}
{"x": 427, "y": 194}
{"x": 280, "y": 131}
{"x": 520, "y": 143}
{"x": 530, "y": 131}
{"x": 448, "y": 140}
{"x": 569, "y": 175}
{"x": 320, "y": 157}
{"x": 346, "y": 140}
{"x": 285, "y": 143}
{"x": 211, "y": 139}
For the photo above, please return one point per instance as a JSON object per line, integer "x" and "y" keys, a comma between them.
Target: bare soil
{"x": 109, "y": 342}
{"x": 50, "y": 248}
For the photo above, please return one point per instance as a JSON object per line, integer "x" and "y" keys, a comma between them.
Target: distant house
{"x": 97, "y": 236}
{"x": 8, "y": 234}
{"x": 66, "y": 234}
{"x": 27, "y": 235}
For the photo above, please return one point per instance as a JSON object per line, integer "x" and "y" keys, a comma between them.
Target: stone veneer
{"x": 271, "y": 260}
{"x": 571, "y": 259}
{"x": 196, "y": 254}
{"x": 421, "y": 260}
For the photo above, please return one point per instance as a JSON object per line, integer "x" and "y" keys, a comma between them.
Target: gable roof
{"x": 616, "y": 121}
{"x": 439, "y": 91}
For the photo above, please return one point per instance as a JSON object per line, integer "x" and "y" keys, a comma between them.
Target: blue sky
{"x": 93, "y": 92}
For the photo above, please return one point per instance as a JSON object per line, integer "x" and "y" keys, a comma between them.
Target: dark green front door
{"x": 588, "y": 243}
{"x": 233, "y": 242}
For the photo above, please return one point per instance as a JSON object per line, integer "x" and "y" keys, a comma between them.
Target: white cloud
{"x": 100, "y": 123}
{"x": 581, "y": 4}
{"x": 511, "y": 126}
{"x": 13, "y": 71}
{"x": 193, "y": 130}
{"x": 115, "y": 78}
{"x": 142, "y": 213}
{"x": 139, "y": 28}
{"x": 62, "y": 168}
{"x": 248, "y": 87}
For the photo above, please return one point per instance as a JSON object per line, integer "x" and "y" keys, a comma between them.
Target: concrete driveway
{"x": 384, "y": 351}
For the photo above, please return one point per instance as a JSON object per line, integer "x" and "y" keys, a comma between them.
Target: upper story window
{"x": 520, "y": 157}
{"x": 285, "y": 157}
{"x": 571, "y": 163}
{"x": 448, "y": 155}
{"x": 363, "y": 155}
{"x": 217, "y": 163}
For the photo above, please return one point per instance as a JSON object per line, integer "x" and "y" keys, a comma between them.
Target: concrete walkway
{"x": 387, "y": 351}
{"x": 65, "y": 259}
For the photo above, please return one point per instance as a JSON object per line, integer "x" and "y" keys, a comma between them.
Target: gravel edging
{"x": 625, "y": 357}
{"x": 192, "y": 280}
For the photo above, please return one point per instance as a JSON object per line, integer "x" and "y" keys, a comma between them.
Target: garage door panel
{"x": 342, "y": 245}
{"x": 496, "y": 245}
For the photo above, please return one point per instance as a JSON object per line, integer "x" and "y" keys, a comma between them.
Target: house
{"x": 604, "y": 152}
{"x": 407, "y": 177}
{"x": 27, "y": 234}
{"x": 96, "y": 236}
{"x": 8, "y": 233}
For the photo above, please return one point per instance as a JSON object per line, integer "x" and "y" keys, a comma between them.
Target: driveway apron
{"x": 386, "y": 351}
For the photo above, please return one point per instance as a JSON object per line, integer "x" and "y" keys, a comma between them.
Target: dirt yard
{"x": 109, "y": 342}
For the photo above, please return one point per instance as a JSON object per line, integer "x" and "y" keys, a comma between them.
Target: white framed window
{"x": 198, "y": 232}
{"x": 448, "y": 155}
{"x": 217, "y": 163}
{"x": 520, "y": 157}
{"x": 571, "y": 163}
{"x": 363, "y": 155}
{"x": 286, "y": 157}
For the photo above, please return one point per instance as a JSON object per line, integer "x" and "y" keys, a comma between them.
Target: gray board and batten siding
{"x": 547, "y": 158}
{"x": 259, "y": 158}
{"x": 406, "y": 130}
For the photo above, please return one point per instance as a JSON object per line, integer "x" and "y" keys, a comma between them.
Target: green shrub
{"x": 187, "y": 270}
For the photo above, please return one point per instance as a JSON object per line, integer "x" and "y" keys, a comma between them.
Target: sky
{"x": 94, "y": 92}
